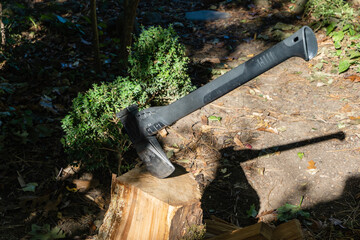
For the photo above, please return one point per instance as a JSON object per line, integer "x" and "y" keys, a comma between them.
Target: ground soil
{"x": 258, "y": 150}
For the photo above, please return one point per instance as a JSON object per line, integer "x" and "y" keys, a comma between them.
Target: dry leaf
{"x": 346, "y": 108}
{"x": 354, "y": 118}
{"x": 269, "y": 129}
{"x": 238, "y": 142}
{"x": 353, "y": 78}
{"x": 311, "y": 164}
{"x": 92, "y": 227}
{"x": 204, "y": 120}
{"x": 52, "y": 205}
{"x": 250, "y": 55}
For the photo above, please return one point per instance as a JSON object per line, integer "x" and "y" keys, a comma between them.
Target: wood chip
{"x": 163, "y": 133}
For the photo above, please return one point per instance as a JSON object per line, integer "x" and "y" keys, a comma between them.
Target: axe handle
{"x": 301, "y": 44}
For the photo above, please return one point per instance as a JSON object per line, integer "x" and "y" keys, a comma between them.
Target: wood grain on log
{"x": 145, "y": 207}
{"x": 258, "y": 231}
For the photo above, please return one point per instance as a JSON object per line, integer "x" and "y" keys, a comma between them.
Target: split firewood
{"x": 145, "y": 207}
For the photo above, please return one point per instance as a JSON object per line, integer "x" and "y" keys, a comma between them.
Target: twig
{"x": 2, "y": 27}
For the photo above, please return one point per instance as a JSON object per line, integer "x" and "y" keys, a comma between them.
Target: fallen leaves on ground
{"x": 238, "y": 142}
{"x": 311, "y": 164}
{"x": 312, "y": 168}
{"x": 204, "y": 120}
{"x": 346, "y": 108}
{"x": 354, "y": 78}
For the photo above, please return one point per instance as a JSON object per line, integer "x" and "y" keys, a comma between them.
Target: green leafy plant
{"x": 329, "y": 11}
{"x": 92, "y": 131}
{"x": 158, "y": 63}
{"x": 157, "y": 75}
{"x": 339, "y": 18}
{"x": 252, "y": 211}
{"x": 300, "y": 155}
{"x": 45, "y": 232}
{"x": 289, "y": 211}
{"x": 214, "y": 118}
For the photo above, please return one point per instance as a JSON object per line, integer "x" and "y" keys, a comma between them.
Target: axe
{"x": 142, "y": 126}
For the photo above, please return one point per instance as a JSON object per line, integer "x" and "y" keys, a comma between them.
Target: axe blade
{"x": 147, "y": 147}
{"x": 156, "y": 161}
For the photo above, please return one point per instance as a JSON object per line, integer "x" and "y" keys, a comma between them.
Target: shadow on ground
{"x": 340, "y": 218}
{"x": 229, "y": 196}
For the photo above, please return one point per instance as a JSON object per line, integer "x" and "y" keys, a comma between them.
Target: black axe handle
{"x": 301, "y": 44}
{"x": 142, "y": 126}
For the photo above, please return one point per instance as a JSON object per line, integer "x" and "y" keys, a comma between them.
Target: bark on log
{"x": 145, "y": 207}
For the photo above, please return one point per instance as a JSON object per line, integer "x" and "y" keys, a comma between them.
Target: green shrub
{"x": 92, "y": 131}
{"x": 340, "y": 20}
{"x": 158, "y": 63}
{"x": 328, "y": 11}
{"x": 157, "y": 75}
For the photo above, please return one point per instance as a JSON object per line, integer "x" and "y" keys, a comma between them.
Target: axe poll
{"x": 142, "y": 126}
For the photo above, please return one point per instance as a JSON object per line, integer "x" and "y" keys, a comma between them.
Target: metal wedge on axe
{"x": 142, "y": 126}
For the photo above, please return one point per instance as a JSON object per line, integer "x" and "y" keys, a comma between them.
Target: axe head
{"x": 147, "y": 146}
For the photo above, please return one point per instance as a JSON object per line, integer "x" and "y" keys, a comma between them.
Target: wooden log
{"x": 217, "y": 226}
{"x": 286, "y": 231}
{"x": 290, "y": 230}
{"x": 145, "y": 207}
{"x": 258, "y": 231}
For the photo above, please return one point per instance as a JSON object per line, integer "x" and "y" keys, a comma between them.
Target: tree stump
{"x": 145, "y": 207}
